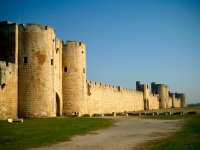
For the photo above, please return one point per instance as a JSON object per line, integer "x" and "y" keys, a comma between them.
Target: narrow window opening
{"x": 25, "y": 60}
{"x": 82, "y": 52}
{"x": 57, "y": 50}
{"x": 89, "y": 91}
{"x": 7, "y": 64}
{"x": 65, "y": 69}
{"x": 118, "y": 88}
{"x": 79, "y": 43}
{"x": 83, "y": 70}
{"x": 51, "y": 61}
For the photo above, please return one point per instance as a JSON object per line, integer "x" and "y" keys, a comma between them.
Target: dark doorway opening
{"x": 57, "y": 105}
{"x": 160, "y": 105}
{"x": 146, "y": 104}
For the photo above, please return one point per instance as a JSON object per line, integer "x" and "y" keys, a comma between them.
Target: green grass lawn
{"x": 40, "y": 132}
{"x": 188, "y": 138}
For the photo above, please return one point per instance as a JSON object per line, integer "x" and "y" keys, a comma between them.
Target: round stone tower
{"x": 167, "y": 96}
{"x": 183, "y": 99}
{"x": 162, "y": 91}
{"x": 36, "y": 71}
{"x": 173, "y": 99}
{"x": 146, "y": 96}
{"x": 74, "y": 78}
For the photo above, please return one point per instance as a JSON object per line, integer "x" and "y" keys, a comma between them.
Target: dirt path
{"x": 126, "y": 134}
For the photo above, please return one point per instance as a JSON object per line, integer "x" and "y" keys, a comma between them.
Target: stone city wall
{"x": 177, "y": 103}
{"x": 8, "y": 90}
{"x": 102, "y": 98}
{"x": 40, "y": 76}
{"x": 153, "y": 101}
{"x": 170, "y": 100}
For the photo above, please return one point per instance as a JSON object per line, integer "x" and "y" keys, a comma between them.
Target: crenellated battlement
{"x": 110, "y": 87}
{"x": 3, "y": 64}
{"x": 74, "y": 44}
{"x": 156, "y": 95}
{"x": 7, "y": 23}
{"x": 35, "y": 27}
{"x": 8, "y": 65}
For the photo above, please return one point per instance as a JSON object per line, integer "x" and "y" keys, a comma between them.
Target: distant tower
{"x": 173, "y": 99}
{"x": 163, "y": 94}
{"x": 138, "y": 88}
{"x": 162, "y": 91}
{"x": 146, "y": 96}
{"x": 74, "y": 78}
{"x": 167, "y": 97}
{"x": 183, "y": 99}
{"x": 145, "y": 89}
{"x": 153, "y": 88}
{"x": 36, "y": 71}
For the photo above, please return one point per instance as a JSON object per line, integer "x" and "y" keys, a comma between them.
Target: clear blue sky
{"x": 127, "y": 40}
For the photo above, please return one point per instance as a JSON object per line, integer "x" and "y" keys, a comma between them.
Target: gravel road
{"x": 127, "y": 133}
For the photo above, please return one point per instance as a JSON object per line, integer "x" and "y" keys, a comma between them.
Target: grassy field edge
{"x": 188, "y": 137}
{"x": 42, "y": 132}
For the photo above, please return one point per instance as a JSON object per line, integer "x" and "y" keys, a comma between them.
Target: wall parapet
{"x": 3, "y": 63}
{"x": 7, "y": 65}
{"x": 152, "y": 95}
{"x": 111, "y": 87}
{"x": 39, "y": 26}
{"x": 73, "y": 43}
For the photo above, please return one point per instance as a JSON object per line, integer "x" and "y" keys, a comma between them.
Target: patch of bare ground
{"x": 127, "y": 134}
{"x": 156, "y": 138}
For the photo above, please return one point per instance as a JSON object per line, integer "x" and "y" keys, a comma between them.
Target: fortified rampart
{"x": 162, "y": 91}
{"x": 150, "y": 100}
{"x": 36, "y": 71}
{"x": 102, "y": 98}
{"x": 8, "y": 90}
{"x": 41, "y": 76}
{"x": 74, "y": 78}
{"x": 8, "y": 70}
